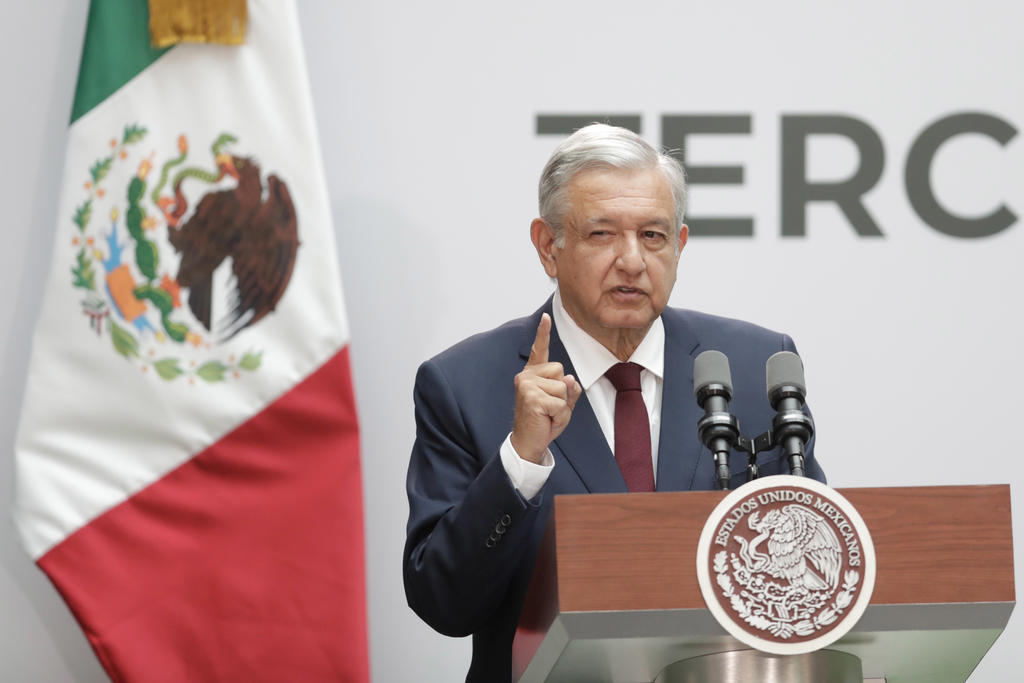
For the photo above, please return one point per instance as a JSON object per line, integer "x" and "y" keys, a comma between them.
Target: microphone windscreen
{"x": 711, "y": 367}
{"x": 784, "y": 369}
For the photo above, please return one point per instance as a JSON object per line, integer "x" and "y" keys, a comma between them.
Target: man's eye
{"x": 654, "y": 235}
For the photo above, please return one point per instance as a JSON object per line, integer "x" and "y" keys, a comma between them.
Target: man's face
{"x": 617, "y": 266}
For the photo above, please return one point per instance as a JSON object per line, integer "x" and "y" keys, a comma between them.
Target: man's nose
{"x": 631, "y": 257}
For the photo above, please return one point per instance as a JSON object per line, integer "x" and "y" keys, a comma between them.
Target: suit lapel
{"x": 679, "y": 448}
{"x": 582, "y": 444}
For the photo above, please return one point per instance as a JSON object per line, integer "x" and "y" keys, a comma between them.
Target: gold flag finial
{"x": 197, "y": 21}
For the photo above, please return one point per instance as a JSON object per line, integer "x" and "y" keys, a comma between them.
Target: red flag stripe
{"x": 245, "y": 563}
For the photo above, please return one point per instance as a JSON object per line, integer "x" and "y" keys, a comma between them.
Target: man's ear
{"x": 684, "y": 232}
{"x": 543, "y": 238}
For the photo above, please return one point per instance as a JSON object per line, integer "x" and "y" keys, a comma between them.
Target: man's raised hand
{"x": 545, "y": 397}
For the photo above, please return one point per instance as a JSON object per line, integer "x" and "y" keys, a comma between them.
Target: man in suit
{"x": 592, "y": 393}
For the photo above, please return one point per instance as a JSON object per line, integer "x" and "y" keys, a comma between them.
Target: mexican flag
{"x": 188, "y": 454}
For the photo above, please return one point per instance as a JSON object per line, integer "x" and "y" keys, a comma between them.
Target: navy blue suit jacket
{"x": 457, "y": 580}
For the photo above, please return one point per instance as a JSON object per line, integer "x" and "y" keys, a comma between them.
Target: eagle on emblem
{"x": 254, "y": 225}
{"x": 802, "y": 548}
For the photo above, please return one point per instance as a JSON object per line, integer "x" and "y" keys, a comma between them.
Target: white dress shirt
{"x": 590, "y": 361}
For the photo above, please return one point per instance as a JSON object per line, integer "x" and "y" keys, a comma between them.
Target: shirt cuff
{"x": 527, "y": 477}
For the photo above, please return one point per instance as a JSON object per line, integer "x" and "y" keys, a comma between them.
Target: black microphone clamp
{"x": 718, "y": 429}
{"x": 791, "y": 429}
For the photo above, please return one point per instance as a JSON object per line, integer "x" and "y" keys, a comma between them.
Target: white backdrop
{"x": 427, "y": 113}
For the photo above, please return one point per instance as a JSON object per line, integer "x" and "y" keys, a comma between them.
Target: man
{"x": 509, "y": 418}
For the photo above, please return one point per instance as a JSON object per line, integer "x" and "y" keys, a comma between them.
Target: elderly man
{"x": 592, "y": 393}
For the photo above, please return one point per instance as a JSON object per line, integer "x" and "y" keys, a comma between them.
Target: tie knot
{"x": 624, "y": 376}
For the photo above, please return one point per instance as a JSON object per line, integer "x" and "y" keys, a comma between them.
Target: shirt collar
{"x": 591, "y": 360}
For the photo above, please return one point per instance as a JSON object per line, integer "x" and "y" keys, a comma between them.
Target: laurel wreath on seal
{"x": 754, "y": 589}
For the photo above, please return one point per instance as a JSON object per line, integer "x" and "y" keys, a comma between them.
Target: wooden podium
{"x": 614, "y": 595}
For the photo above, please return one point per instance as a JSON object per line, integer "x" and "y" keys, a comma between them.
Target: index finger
{"x": 539, "y": 350}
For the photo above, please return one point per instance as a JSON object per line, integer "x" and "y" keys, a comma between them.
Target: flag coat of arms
{"x": 187, "y": 458}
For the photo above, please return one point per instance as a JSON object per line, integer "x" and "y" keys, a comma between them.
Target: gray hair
{"x": 602, "y": 146}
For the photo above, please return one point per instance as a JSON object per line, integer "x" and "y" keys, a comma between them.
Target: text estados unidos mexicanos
{"x": 786, "y": 496}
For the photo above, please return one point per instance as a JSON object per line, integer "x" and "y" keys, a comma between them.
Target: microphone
{"x": 718, "y": 429}
{"x": 791, "y": 428}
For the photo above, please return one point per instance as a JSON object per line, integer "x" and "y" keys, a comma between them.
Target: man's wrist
{"x": 528, "y": 478}
{"x": 526, "y": 454}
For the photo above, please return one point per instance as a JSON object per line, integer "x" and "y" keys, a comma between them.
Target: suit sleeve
{"x": 468, "y": 527}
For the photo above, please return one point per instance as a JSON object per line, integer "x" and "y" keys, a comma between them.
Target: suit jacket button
{"x": 490, "y": 543}
{"x": 499, "y": 529}
{"x": 506, "y": 520}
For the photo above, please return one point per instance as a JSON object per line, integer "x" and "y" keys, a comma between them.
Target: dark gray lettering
{"x": 798, "y": 191}
{"x": 674, "y": 130}
{"x": 917, "y": 175}
{"x": 567, "y": 124}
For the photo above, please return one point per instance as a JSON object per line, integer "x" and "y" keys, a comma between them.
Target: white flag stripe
{"x": 95, "y": 427}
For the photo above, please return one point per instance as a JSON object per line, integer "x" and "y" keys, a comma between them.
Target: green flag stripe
{"x": 116, "y": 50}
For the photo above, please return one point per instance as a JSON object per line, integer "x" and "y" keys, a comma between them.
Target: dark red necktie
{"x": 632, "y": 428}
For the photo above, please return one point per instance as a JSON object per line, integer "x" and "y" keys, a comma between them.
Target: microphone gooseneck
{"x": 718, "y": 429}
{"x": 791, "y": 428}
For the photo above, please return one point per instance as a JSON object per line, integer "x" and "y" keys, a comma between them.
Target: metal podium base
{"x": 745, "y": 666}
